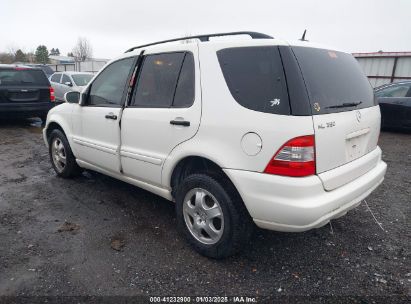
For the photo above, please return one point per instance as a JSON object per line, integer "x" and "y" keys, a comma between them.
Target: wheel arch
{"x": 191, "y": 164}
{"x": 53, "y": 126}
{"x": 58, "y": 122}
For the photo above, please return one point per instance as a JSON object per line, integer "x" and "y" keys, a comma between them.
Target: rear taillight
{"x": 52, "y": 96}
{"x": 295, "y": 158}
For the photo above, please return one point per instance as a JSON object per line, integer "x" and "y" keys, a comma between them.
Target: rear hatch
{"x": 346, "y": 119}
{"x": 23, "y": 85}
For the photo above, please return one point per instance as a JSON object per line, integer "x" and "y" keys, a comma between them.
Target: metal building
{"x": 385, "y": 67}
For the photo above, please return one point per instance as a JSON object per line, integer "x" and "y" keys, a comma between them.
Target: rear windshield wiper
{"x": 345, "y": 105}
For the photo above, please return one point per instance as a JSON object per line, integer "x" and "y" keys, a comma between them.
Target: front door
{"x": 164, "y": 111}
{"x": 97, "y": 140}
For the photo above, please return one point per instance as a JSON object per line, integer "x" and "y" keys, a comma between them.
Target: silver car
{"x": 64, "y": 82}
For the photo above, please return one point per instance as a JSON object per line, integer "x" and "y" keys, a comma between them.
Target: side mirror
{"x": 68, "y": 83}
{"x": 72, "y": 97}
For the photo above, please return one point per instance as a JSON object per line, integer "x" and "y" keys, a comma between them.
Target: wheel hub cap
{"x": 58, "y": 154}
{"x": 203, "y": 216}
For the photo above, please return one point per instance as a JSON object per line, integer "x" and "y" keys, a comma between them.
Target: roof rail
{"x": 206, "y": 37}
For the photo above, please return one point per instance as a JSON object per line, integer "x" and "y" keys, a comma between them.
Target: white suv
{"x": 235, "y": 132}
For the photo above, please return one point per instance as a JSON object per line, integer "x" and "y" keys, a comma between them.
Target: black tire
{"x": 238, "y": 225}
{"x": 70, "y": 169}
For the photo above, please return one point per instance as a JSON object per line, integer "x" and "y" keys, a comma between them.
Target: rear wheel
{"x": 212, "y": 217}
{"x": 61, "y": 156}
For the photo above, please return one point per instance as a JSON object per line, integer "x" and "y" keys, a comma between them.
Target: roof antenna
{"x": 303, "y": 37}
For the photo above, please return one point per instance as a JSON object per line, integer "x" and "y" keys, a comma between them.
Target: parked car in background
{"x": 45, "y": 68}
{"x": 283, "y": 135}
{"x": 64, "y": 82}
{"x": 24, "y": 92}
{"x": 395, "y": 105}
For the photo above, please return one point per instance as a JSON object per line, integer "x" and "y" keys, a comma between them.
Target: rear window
{"x": 333, "y": 79}
{"x": 21, "y": 77}
{"x": 255, "y": 78}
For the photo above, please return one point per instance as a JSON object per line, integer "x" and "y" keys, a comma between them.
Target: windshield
{"x": 27, "y": 77}
{"x": 81, "y": 79}
{"x": 334, "y": 80}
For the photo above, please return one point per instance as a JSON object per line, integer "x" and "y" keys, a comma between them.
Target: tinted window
{"x": 255, "y": 77}
{"x": 184, "y": 95}
{"x": 22, "y": 77}
{"x": 109, "y": 86}
{"x": 47, "y": 70}
{"x": 65, "y": 79}
{"x": 332, "y": 79}
{"x": 399, "y": 90}
{"x": 81, "y": 79}
{"x": 158, "y": 79}
{"x": 56, "y": 77}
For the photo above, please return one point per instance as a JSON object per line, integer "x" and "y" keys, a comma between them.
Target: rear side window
{"x": 56, "y": 78}
{"x": 334, "y": 80}
{"x": 22, "y": 77}
{"x": 158, "y": 80}
{"x": 184, "y": 95}
{"x": 255, "y": 78}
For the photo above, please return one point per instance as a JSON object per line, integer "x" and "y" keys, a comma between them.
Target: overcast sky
{"x": 112, "y": 26}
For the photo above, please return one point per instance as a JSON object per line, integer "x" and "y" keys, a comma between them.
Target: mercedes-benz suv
{"x": 283, "y": 135}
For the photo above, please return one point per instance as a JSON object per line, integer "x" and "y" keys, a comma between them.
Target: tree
{"x": 42, "y": 54}
{"x": 20, "y": 56}
{"x": 6, "y": 58}
{"x": 70, "y": 54}
{"x": 54, "y": 52}
{"x": 82, "y": 49}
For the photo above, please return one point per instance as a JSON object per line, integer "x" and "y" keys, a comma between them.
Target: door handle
{"x": 183, "y": 123}
{"x": 111, "y": 116}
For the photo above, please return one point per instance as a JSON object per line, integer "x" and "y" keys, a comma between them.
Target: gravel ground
{"x": 95, "y": 236}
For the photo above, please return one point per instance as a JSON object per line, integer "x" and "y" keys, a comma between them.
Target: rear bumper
{"x": 299, "y": 204}
{"x": 25, "y": 109}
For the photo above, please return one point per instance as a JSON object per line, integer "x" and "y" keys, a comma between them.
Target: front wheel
{"x": 61, "y": 156}
{"x": 212, "y": 216}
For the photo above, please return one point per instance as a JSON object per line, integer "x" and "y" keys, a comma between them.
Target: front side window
{"x": 400, "y": 90}
{"x": 65, "y": 79}
{"x": 255, "y": 78}
{"x": 108, "y": 88}
{"x": 158, "y": 80}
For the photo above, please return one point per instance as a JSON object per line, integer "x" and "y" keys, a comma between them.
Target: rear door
{"x": 21, "y": 85}
{"x": 164, "y": 111}
{"x": 345, "y": 118}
